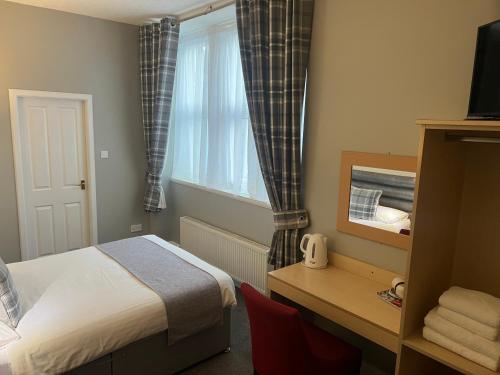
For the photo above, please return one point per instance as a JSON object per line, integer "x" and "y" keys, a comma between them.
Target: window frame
{"x": 223, "y": 193}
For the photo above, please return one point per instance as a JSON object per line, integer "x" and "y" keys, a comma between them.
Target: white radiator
{"x": 244, "y": 260}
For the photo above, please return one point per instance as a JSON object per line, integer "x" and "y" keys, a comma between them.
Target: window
{"x": 212, "y": 143}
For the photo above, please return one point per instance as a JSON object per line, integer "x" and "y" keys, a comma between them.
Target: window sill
{"x": 223, "y": 193}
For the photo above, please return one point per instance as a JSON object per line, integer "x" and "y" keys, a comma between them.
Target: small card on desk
{"x": 391, "y": 298}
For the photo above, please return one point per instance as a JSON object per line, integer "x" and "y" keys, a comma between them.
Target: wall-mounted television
{"x": 485, "y": 89}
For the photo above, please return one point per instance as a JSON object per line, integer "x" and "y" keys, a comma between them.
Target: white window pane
{"x": 213, "y": 143}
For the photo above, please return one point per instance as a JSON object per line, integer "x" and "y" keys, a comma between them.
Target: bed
{"x": 86, "y": 314}
{"x": 398, "y": 187}
{"x": 397, "y": 227}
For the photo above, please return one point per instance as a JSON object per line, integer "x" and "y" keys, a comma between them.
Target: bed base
{"x": 152, "y": 355}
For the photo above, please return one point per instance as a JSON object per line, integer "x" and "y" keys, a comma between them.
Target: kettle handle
{"x": 302, "y": 242}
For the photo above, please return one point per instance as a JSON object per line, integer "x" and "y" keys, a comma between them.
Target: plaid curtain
{"x": 158, "y": 49}
{"x": 274, "y": 40}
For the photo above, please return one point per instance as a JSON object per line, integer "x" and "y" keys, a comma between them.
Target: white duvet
{"x": 81, "y": 305}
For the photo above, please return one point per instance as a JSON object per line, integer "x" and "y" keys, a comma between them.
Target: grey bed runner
{"x": 191, "y": 295}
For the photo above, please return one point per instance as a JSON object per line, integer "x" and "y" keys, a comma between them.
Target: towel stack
{"x": 467, "y": 322}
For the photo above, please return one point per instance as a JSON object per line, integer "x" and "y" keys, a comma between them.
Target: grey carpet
{"x": 239, "y": 360}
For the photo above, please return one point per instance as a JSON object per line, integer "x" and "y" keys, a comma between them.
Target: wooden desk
{"x": 345, "y": 293}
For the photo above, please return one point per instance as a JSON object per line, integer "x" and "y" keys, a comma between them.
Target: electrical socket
{"x": 136, "y": 228}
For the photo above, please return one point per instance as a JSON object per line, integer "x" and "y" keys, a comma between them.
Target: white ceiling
{"x": 128, "y": 11}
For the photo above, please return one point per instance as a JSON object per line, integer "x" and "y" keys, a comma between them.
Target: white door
{"x": 54, "y": 173}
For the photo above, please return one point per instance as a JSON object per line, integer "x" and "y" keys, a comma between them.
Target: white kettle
{"x": 315, "y": 252}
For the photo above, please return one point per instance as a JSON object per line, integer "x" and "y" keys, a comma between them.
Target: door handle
{"x": 82, "y": 184}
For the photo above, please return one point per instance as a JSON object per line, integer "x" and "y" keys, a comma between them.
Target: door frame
{"x": 14, "y": 96}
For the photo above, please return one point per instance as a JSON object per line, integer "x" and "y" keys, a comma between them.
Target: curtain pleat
{"x": 274, "y": 38}
{"x": 158, "y": 55}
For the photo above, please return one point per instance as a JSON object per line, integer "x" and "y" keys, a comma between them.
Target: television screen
{"x": 485, "y": 89}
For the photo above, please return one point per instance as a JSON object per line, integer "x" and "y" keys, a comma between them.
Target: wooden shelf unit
{"x": 438, "y": 353}
{"x": 455, "y": 235}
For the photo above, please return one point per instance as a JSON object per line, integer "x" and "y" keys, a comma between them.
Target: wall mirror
{"x": 376, "y": 197}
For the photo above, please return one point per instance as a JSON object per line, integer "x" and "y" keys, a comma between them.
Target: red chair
{"x": 284, "y": 344}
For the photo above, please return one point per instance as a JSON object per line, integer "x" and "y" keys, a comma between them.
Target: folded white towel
{"x": 469, "y": 324}
{"x": 437, "y": 338}
{"x": 461, "y": 336}
{"x": 476, "y": 305}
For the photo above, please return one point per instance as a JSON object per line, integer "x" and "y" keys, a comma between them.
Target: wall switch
{"x": 136, "y": 228}
{"x": 104, "y": 154}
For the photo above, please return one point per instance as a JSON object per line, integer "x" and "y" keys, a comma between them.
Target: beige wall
{"x": 54, "y": 51}
{"x": 375, "y": 67}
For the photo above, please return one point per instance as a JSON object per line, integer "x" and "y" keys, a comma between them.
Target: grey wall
{"x": 236, "y": 216}
{"x": 375, "y": 67}
{"x": 54, "y": 51}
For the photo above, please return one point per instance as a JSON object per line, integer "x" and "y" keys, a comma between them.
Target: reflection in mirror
{"x": 382, "y": 198}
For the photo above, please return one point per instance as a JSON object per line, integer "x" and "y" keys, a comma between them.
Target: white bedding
{"x": 81, "y": 305}
{"x": 394, "y": 227}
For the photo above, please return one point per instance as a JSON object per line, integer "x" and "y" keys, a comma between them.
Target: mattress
{"x": 81, "y": 305}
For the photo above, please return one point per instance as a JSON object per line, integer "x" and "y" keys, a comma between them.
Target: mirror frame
{"x": 365, "y": 159}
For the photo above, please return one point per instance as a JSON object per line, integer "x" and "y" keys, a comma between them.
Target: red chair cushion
{"x": 284, "y": 344}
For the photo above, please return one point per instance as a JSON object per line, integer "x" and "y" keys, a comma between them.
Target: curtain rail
{"x": 201, "y": 11}
{"x": 197, "y": 12}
